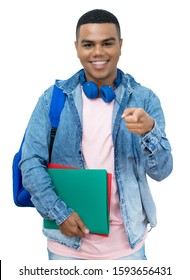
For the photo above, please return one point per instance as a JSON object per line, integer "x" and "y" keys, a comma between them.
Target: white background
{"x": 37, "y": 47}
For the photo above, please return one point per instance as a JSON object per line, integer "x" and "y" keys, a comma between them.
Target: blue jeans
{"x": 139, "y": 255}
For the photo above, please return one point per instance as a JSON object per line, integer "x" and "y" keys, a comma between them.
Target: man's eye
{"x": 87, "y": 45}
{"x": 107, "y": 44}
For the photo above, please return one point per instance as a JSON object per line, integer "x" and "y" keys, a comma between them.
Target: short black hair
{"x": 98, "y": 16}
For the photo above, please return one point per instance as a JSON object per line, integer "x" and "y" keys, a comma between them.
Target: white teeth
{"x": 99, "y": 62}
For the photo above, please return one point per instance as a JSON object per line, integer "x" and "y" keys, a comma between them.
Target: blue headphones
{"x": 106, "y": 92}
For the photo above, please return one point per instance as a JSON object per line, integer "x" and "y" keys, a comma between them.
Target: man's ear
{"x": 121, "y": 43}
{"x": 76, "y": 47}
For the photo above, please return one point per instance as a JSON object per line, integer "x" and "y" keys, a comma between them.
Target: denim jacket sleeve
{"x": 157, "y": 150}
{"x": 33, "y": 164}
{"x": 155, "y": 145}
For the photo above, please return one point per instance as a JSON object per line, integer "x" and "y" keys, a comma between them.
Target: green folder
{"x": 86, "y": 192}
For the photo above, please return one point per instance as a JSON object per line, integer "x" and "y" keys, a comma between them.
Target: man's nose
{"x": 98, "y": 50}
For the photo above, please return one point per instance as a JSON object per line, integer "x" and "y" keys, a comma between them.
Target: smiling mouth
{"x": 102, "y": 62}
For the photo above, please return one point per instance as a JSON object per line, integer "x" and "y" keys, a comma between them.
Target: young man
{"x": 120, "y": 128}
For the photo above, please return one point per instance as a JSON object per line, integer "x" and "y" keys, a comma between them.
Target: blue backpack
{"x": 21, "y": 196}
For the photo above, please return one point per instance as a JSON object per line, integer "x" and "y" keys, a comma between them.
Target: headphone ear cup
{"x": 107, "y": 94}
{"x": 90, "y": 89}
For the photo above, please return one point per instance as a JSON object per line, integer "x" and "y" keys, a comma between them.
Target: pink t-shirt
{"x": 98, "y": 152}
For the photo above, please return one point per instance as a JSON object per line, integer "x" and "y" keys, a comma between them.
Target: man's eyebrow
{"x": 105, "y": 40}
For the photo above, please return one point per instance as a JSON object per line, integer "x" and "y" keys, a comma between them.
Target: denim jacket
{"x": 135, "y": 156}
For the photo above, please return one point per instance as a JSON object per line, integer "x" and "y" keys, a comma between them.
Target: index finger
{"x": 127, "y": 112}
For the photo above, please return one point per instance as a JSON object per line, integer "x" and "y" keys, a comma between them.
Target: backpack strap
{"x": 57, "y": 104}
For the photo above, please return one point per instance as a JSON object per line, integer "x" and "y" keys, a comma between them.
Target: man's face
{"x": 99, "y": 48}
